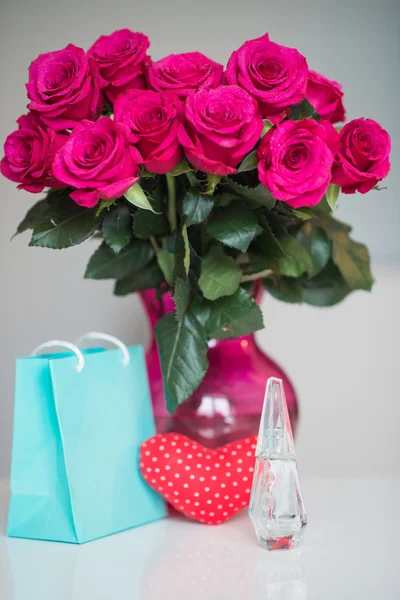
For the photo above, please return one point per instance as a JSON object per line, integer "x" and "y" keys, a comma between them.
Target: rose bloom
{"x": 221, "y": 127}
{"x": 97, "y": 160}
{"x": 29, "y": 154}
{"x": 295, "y": 161}
{"x": 274, "y": 75}
{"x": 153, "y": 118}
{"x": 326, "y": 97}
{"x": 184, "y": 73}
{"x": 363, "y": 156}
{"x": 122, "y": 58}
{"x": 64, "y": 88}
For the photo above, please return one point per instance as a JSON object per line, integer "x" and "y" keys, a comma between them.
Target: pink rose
{"x": 184, "y": 73}
{"x": 122, "y": 58}
{"x": 64, "y": 88}
{"x": 363, "y": 156}
{"x": 274, "y": 75}
{"x": 153, "y": 119}
{"x": 29, "y": 154}
{"x": 97, "y": 160}
{"x": 221, "y": 127}
{"x": 295, "y": 161}
{"x": 326, "y": 97}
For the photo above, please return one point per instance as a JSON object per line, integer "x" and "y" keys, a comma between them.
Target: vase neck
{"x": 159, "y": 305}
{"x": 156, "y": 305}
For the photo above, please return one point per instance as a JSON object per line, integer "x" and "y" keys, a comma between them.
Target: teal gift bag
{"x": 79, "y": 419}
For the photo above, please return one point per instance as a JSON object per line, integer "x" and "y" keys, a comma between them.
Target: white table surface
{"x": 350, "y": 552}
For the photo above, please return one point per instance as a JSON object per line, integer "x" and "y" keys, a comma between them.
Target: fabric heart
{"x": 207, "y": 485}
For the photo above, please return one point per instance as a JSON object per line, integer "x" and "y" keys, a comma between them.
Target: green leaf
{"x": 303, "y": 110}
{"x": 247, "y": 286}
{"x": 195, "y": 262}
{"x": 145, "y": 174}
{"x": 235, "y": 226}
{"x": 305, "y": 214}
{"x": 182, "y": 250}
{"x": 201, "y": 308}
{"x": 181, "y": 297}
{"x": 323, "y": 206}
{"x": 155, "y": 192}
{"x": 35, "y": 215}
{"x": 267, "y": 126}
{"x": 170, "y": 242}
{"x": 66, "y": 224}
{"x": 258, "y": 262}
{"x": 166, "y": 262}
{"x": 182, "y": 347}
{"x": 58, "y": 222}
{"x": 318, "y": 245}
{"x": 285, "y": 289}
{"x": 136, "y": 196}
{"x": 212, "y": 182}
{"x": 186, "y": 256}
{"x": 326, "y": 289}
{"x": 258, "y": 196}
{"x": 117, "y": 227}
{"x": 352, "y": 260}
{"x": 234, "y": 316}
{"x": 330, "y": 224}
{"x": 332, "y": 195}
{"x": 196, "y": 207}
{"x": 194, "y": 182}
{"x": 286, "y": 256}
{"x": 268, "y": 245}
{"x": 180, "y": 169}
{"x": 146, "y": 223}
{"x": 249, "y": 163}
{"x": 147, "y": 278}
{"x": 296, "y": 260}
{"x": 105, "y": 264}
{"x": 224, "y": 199}
{"x": 219, "y": 274}
{"x": 104, "y": 205}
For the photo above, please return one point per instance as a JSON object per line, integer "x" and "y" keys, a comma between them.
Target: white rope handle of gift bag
{"x": 111, "y": 339}
{"x": 63, "y": 344}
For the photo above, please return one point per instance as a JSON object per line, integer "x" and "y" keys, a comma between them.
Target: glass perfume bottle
{"x": 276, "y": 506}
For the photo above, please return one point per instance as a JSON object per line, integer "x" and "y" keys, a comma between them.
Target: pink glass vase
{"x": 227, "y": 405}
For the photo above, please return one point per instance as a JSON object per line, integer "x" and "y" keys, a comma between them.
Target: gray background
{"x": 343, "y": 360}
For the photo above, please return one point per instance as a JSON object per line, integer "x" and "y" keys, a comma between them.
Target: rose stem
{"x": 154, "y": 243}
{"x": 254, "y": 276}
{"x": 171, "y": 201}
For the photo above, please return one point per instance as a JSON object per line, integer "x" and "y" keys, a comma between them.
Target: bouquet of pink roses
{"x": 200, "y": 180}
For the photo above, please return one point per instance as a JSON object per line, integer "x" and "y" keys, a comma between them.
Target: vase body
{"x": 228, "y": 403}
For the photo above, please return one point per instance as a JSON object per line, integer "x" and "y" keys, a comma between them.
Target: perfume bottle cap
{"x": 275, "y": 437}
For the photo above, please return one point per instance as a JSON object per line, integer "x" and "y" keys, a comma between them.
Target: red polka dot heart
{"x": 207, "y": 485}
